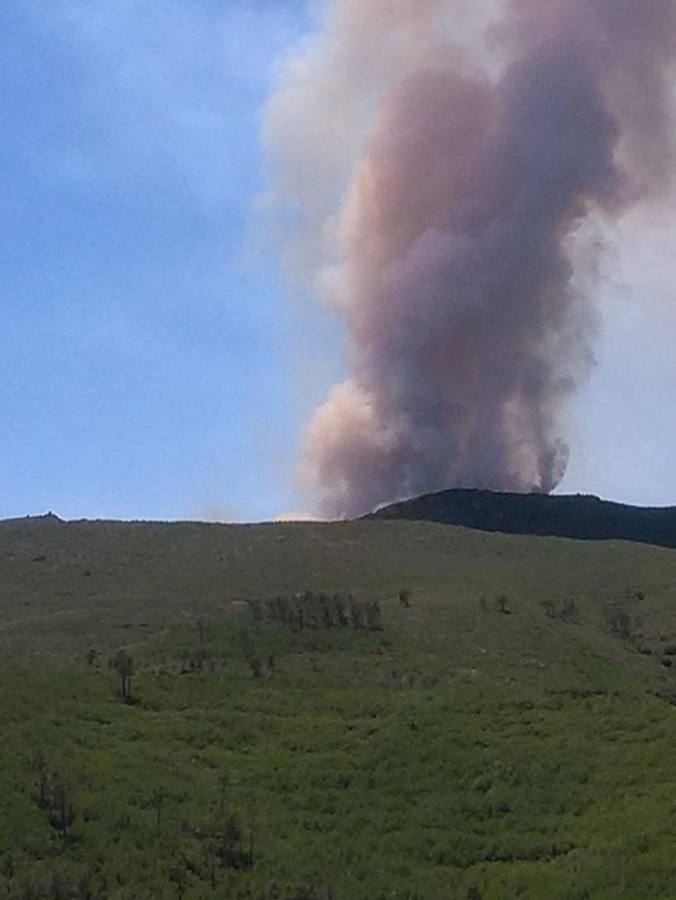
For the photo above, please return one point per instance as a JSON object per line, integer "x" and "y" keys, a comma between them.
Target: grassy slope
{"x": 458, "y": 753}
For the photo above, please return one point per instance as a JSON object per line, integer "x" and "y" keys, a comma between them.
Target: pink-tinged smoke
{"x": 445, "y": 194}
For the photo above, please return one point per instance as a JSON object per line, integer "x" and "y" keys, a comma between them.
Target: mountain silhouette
{"x": 581, "y": 517}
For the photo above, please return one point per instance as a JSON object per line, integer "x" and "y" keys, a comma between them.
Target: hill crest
{"x": 577, "y": 516}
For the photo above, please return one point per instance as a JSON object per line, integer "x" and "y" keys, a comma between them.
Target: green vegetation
{"x": 340, "y": 712}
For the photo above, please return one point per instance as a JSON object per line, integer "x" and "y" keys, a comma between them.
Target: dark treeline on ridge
{"x": 579, "y": 517}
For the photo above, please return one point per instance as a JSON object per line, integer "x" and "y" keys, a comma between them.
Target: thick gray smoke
{"x": 445, "y": 184}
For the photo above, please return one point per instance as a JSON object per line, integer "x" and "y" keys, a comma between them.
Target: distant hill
{"x": 581, "y": 517}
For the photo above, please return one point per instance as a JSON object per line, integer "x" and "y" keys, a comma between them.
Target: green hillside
{"x": 355, "y": 711}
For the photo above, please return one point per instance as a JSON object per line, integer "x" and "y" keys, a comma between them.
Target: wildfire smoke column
{"x": 448, "y": 180}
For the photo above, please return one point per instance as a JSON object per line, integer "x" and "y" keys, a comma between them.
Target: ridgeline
{"x": 579, "y": 517}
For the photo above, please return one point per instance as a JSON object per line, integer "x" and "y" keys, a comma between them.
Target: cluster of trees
{"x": 623, "y": 625}
{"x": 57, "y": 886}
{"x": 225, "y": 846}
{"x": 501, "y": 604}
{"x": 123, "y": 664}
{"x": 94, "y": 886}
{"x": 220, "y": 845}
{"x": 54, "y": 797}
{"x": 310, "y": 610}
{"x": 566, "y": 611}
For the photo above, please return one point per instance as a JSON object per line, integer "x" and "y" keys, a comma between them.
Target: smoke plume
{"x": 443, "y": 166}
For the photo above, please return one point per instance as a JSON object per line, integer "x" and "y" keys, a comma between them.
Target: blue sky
{"x": 147, "y": 357}
{"x": 154, "y": 362}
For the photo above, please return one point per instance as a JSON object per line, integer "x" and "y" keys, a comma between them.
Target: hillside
{"x": 579, "y": 517}
{"x": 69, "y": 586}
{"x": 341, "y": 711}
